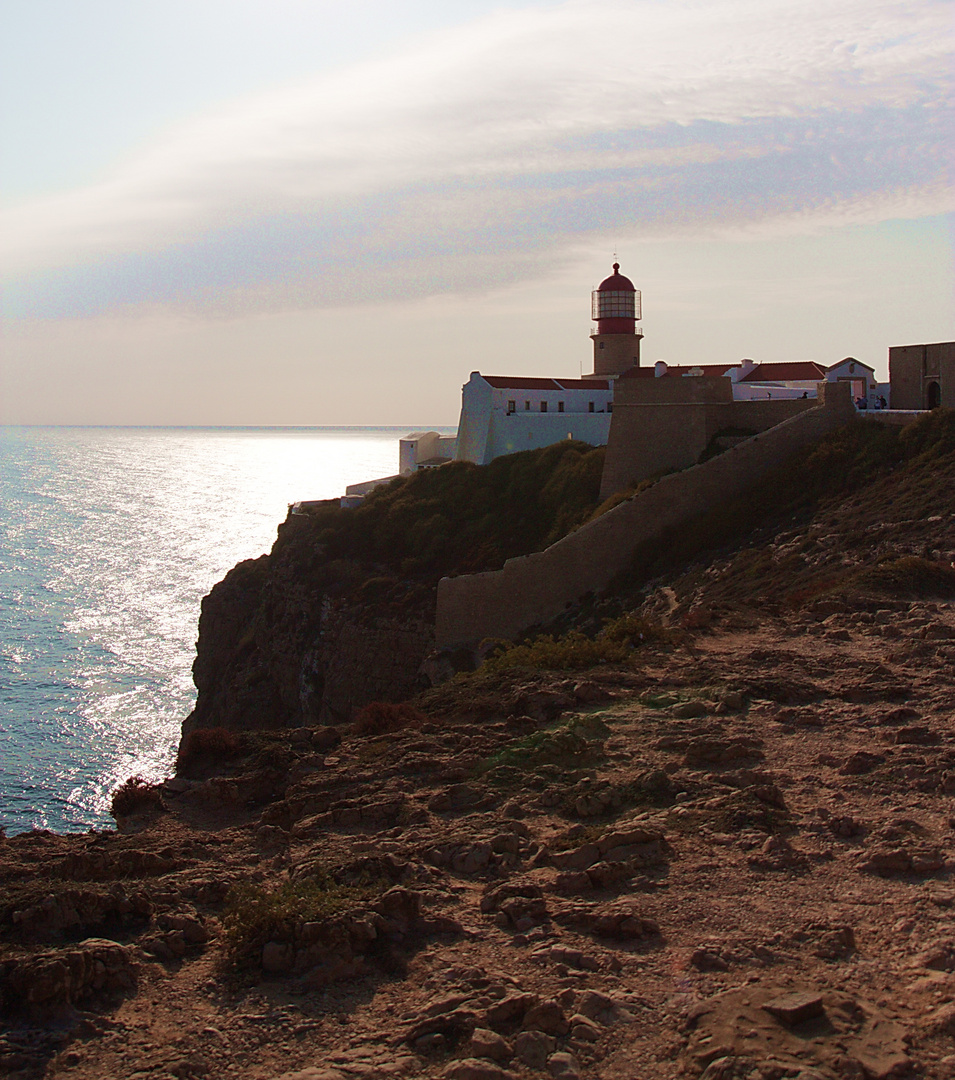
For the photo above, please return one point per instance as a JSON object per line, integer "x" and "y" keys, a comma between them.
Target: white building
{"x": 795, "y": 379}
{"x": 864, "y": 383}
{"x": 424, "y": 450}
{"x": 504, "y": 414}
{"x": 418, "y": 450}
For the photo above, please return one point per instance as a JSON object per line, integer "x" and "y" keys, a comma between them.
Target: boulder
{"x": 475, "y": 1069}
{"x": 510, "y": 1009}
{"x": 547, "y": 1017}
{"x": 533, "y": 1048}
{"x": 564, "y": 1066}
{"x": 488, "y": 1044}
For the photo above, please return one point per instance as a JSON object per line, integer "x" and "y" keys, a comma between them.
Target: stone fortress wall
{"x": 663, "y": 424}
{"x": 536, "y": 588}
{"x": 923, "y": 376}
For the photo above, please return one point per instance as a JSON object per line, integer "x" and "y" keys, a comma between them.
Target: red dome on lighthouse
{"x": 616, "y": 282}
{"x": 615, "y": 304}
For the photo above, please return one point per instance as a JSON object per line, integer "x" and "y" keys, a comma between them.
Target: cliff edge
{"x": 341, "y": 612}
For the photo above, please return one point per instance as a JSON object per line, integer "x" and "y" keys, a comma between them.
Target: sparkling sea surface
{"x": 109, "y": 539}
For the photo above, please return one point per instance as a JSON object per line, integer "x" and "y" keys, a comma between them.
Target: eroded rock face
{"x": 76, "y": 909}
{"x": 280, "y": 645}
{"x": 41, "y": 982}
{"x": 832, "y": 1033}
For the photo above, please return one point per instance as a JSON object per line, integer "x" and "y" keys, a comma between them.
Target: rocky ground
{"x": 732, "y": 858}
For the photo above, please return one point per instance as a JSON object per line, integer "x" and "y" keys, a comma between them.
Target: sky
{"x": 328, "y": 212}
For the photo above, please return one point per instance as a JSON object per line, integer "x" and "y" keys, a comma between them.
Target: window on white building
{"x": 511, "y": 407}
{"x": 590, "y": 406}
{"x": 560, "y": 406}
{"x": 527, "y": 406}
{"x": 543, "y": 406}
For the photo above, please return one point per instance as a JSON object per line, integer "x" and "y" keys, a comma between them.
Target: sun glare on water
{"x": 113, "y": 537}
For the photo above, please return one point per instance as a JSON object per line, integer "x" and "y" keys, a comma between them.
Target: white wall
{"x": 531, "y": 431}
{"x": 475, "y": 423}
{"x": 487, "y": 430}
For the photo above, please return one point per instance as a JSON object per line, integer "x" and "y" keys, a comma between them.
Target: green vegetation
{"x": 255, "y": 915}
{"x": 574, "y": 651}
{"x": 463, "y": 518}
{"x": 907, "y": 577}
{"x": 572, "y": 745}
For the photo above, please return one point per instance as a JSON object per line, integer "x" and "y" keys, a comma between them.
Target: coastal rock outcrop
{"x": 290, "y": 639}
{"x": 341, "y": 612}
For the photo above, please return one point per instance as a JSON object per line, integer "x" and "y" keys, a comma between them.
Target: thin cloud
{"x": 494, "y": 145}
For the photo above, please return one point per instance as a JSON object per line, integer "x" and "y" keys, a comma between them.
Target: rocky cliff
{"x": 288, "y": 640}
{"x": 341, "y": 612}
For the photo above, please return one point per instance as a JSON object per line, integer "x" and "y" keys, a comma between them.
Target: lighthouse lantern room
{"x": 616, "y": 309}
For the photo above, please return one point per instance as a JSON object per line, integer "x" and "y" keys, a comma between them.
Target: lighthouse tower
{"x": 616, "y": 310}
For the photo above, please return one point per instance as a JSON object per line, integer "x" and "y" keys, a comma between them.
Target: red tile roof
{"x": 795, "y": 371}
{"x": 584, "y": 384}
{"x": 519, "y": 382}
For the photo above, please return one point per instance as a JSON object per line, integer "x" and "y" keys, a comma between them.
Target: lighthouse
{"x": 615, "y": 307}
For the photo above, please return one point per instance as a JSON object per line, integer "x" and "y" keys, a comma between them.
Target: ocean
{"x": 109, "y": 539}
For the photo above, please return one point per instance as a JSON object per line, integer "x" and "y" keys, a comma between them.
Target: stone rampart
{"x": 915, "y": 369}
{"x": 665, "y": 424}
{"x": 537, "y": 588}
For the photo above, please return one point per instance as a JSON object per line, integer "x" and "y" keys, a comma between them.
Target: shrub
{"x": 381, "y": 717}
{"x": 575, "y": 651}
{"x": 568, "y": 746}
{"x": 907, "y": 576}
{"x": 255, "y": 915}
{"x": 209, "y": 744}
{"x": 462, "y": 517}
{"x": 135, "y": 796}
{"x": 635, "y": 630}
